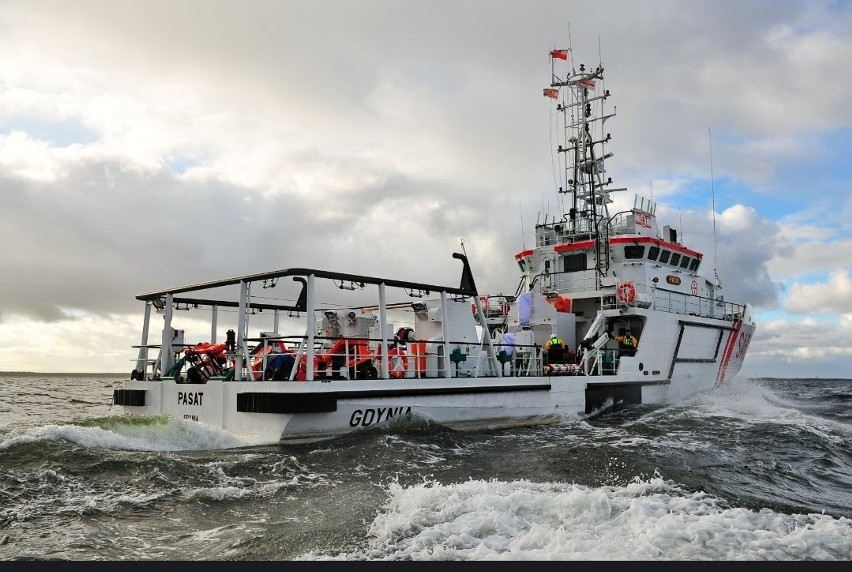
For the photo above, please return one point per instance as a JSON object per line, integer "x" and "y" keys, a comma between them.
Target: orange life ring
{"x": 397, "y": 363}
{"x": 483, "y": 301}
{"x": 626, "y": 292}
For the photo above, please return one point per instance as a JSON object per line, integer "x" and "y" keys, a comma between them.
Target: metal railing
{"x": 283, "y": 358}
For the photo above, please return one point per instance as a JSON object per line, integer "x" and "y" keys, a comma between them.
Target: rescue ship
{"x": 611, "y": 309}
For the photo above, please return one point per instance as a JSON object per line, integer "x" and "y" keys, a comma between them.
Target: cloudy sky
{"x": 147, "y": 144}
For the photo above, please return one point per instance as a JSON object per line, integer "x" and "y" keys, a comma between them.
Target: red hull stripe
{"x": 586, "y": 244}
{"x": 582, "y": 245}
{"x": 726, "y": 355}
{"x": 652, "y": 240}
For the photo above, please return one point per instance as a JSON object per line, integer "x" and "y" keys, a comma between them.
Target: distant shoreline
{"x": 816, "y": 377}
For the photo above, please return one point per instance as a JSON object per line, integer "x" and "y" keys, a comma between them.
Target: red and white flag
{"x": 559, "y": 54}
{"x": 587, "y": 83}
{"x": 551, "y": 92}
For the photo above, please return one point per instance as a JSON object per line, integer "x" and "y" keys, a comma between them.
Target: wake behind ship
{"x": 610, "y": 309}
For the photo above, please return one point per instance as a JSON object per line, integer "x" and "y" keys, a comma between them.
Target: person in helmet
{"x": 555, "y": 349}
{"x": 626, "y": 342}
{"x": 554, "y": 341}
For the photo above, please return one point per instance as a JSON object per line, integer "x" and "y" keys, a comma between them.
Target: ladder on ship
{"x": 602, "y": 249}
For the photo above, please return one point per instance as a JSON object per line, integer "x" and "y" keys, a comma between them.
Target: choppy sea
{"x": 758, "y": 470}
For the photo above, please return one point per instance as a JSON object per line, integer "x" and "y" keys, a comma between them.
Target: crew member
{"x": 554, "y": 341}
{"x": 556, "y": 350}
{"x": 626, "y": 342}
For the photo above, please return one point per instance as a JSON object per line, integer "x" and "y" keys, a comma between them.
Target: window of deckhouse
{"x": 653, "y": 252}
{"x": 664, "y": 256}
{"x": 633, "y": 251}
{"x": 574, "y": 262}
{"x": 685, "y": 262}
{"x": 694, "y": 265}
{"x": 675, "y": 258}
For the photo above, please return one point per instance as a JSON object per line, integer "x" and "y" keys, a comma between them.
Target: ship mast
{"x": 588, "y": 215}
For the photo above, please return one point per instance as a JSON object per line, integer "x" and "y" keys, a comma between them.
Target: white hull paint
{"x": 465, "y": 403}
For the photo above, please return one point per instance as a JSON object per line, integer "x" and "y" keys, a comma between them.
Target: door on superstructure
{"x": 548, "y": 273}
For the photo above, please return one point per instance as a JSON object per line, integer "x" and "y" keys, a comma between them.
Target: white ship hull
{"x": 610, "y": 310}
{"x": 293, "y": 411}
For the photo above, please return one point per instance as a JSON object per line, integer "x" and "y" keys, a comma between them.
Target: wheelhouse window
{"x": 574, "y": 262}
{"x": 653, "y": 252}
{"x": 633, "y": 251}
{"x": 664, "y": 256}
{"x": 694, "y": 265}
{"x": 675, "y": 258}
{"x": 684, "y": 263}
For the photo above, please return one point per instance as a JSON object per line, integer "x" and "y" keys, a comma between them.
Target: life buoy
{"x": 397, "y": 362}
{"x": 626, "y": 292}
{"x": 483, "y": 301}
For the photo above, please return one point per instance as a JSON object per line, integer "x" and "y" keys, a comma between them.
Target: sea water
{"x": 756, "y": 470}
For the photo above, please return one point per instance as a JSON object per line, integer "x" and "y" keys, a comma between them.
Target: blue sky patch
{"x": 62, "y": 133}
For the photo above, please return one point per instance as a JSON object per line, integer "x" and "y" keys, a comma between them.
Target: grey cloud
{"x": 473, "y": 70}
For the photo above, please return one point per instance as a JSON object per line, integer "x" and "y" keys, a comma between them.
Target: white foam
{"x": 646, "y": 520}
{"x": 173, "y": 435}
{"x": 747, "y": 402}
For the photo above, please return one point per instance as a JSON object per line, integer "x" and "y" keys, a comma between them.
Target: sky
{"x": 149, "y": 144}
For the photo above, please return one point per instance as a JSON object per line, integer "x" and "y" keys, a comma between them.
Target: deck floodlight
{"x": 331, "y": 316}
